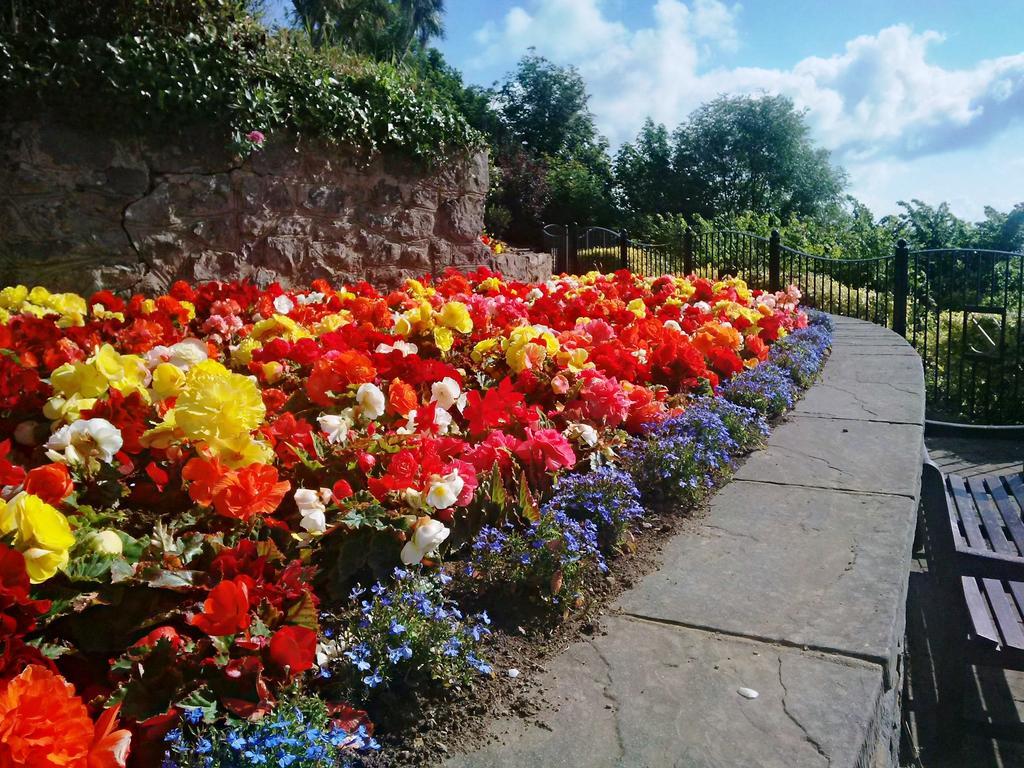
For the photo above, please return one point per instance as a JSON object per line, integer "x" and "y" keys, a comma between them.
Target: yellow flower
{"x": 218, "y": 407}
{"x": 13, "y": 296}
{"x": 278, "y": 325}
{"x": 484, "y": 348}
{"x": 637, "y": 307}
{"x": 333, "y": 322}
{"x": 168, "y": 381}
{"x": 241, "y": 355}
{"x": 455, "y": 315}
{"x": 67, "y": 409}
{"x": 490, "y": 284}
{"x": 575, "y": 360}
{"x": 79, "y": 379}
{"x": 41, "y": 533}
{"x": 444, "y": 338}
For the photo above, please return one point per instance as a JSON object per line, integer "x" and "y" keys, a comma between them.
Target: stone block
{"x": 459, "y": 219}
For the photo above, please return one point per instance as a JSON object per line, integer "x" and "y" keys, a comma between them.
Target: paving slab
{"x": 647, "y": 694}
{"x": 858, "y": 387}
{"x": 801, "y": 566}
{"x": 843, "y": 454}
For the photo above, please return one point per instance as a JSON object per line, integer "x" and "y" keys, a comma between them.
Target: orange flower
{"x": 402, "y": 398}
{"x": 714, "y": 335}
{"x": 52, "y": 483}
{"x": 202, "y": 476}
{"x": 43, "y": 724}
{"x": 239, "y": 494}
{"x": 331, "y": 376}
{"x": 252, "y": 490}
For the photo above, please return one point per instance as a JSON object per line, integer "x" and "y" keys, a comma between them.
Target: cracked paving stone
{"x": 680, "y": 684}
{"x": 799, "y": 566}
{"x": 843, "y": 454}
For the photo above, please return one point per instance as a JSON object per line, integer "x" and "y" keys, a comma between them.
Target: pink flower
{"x": 547, "y": 449}
{"x": 256, "y": 137}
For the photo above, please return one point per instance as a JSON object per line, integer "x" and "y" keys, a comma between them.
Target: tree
{"x": 543, "y": 107}
{"x": 743, "y": 153}
{"x": 386, "y": 30}
{"x": 925, "y": 226}
{"x": 644, "y": 176}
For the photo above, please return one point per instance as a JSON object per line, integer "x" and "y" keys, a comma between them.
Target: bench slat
{"x": 968, "y": 515}
{"x": 1005, "y": 612}
{"x": 1009, "y": 509}
{"x": 1017, "y": 587}
{"x": 1015, "y": 483}
{"x": 979, "y": 612}
{"x": 990, "y": 517}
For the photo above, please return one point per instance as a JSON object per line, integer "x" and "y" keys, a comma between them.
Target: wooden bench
{"x": 975, "y": 530}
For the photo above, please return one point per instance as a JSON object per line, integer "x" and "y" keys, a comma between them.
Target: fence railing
{"x": 960, "y": 308}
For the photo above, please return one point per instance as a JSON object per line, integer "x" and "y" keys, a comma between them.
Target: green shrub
{"x": 169, "y": 65}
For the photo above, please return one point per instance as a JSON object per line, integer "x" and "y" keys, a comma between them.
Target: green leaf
{"x": 527, "y": 505}
{"x": 497, "y": 486}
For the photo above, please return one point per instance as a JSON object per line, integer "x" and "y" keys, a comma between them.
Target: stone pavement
{"x": 795, "y": 588}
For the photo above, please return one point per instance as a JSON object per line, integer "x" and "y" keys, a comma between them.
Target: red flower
{"x": 226, "y": 610}
{"x": 10, "y": 473}
{"x": 293, "y": 648}
{"x": 495, "y": 408}
{"x": 51, "y": 482}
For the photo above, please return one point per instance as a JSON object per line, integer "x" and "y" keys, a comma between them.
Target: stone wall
{"x": 80, "y": 211}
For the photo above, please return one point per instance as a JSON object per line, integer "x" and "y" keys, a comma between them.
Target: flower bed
{"x": 240, "y": 526}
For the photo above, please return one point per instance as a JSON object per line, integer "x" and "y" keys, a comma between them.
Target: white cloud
{"x": 880, "y": 98}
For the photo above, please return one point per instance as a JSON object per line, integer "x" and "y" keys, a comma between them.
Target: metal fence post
{"x": 572, "y": 260}
{"x": 688, "y": 252}
{"x": 623, "y": 249}
{"x": 901, "y": 280}
{"x": 774, "y": 261}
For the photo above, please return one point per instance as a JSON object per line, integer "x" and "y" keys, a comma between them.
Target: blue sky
{"x": 915, "y": 98}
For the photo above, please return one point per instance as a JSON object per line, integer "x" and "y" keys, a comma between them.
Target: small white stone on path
{"x": 748, "y": 693}
{"x": 513, "y": 672}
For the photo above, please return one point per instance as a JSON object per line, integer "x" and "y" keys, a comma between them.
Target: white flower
{"x": 310, "y": 298}
{"x": 442, "y": 420}
{"x": 183, "y": 355}
{"x": 673, "y": 325}
{"x": 534, "y": 294}
{"x": 336, "y": 426}
{"x": 311, "y": 506}
{"x": 283, "y": 305}
{"x": 582, "y": 433}
{"x": 444, "y": 491}
{"x": 405, "y": 347}
{"x": 445, "y": 392}
{"x": 371, "y": 401}
{"x": 105, "y": 543}
{"x": 327, "y": 651}
{"x": 703, "y": 306}
{"x": 425, "y": 539}
{"x": 85, "y": 441}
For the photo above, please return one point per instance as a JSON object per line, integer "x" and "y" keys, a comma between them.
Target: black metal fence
{"x": 961, "y": 309}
